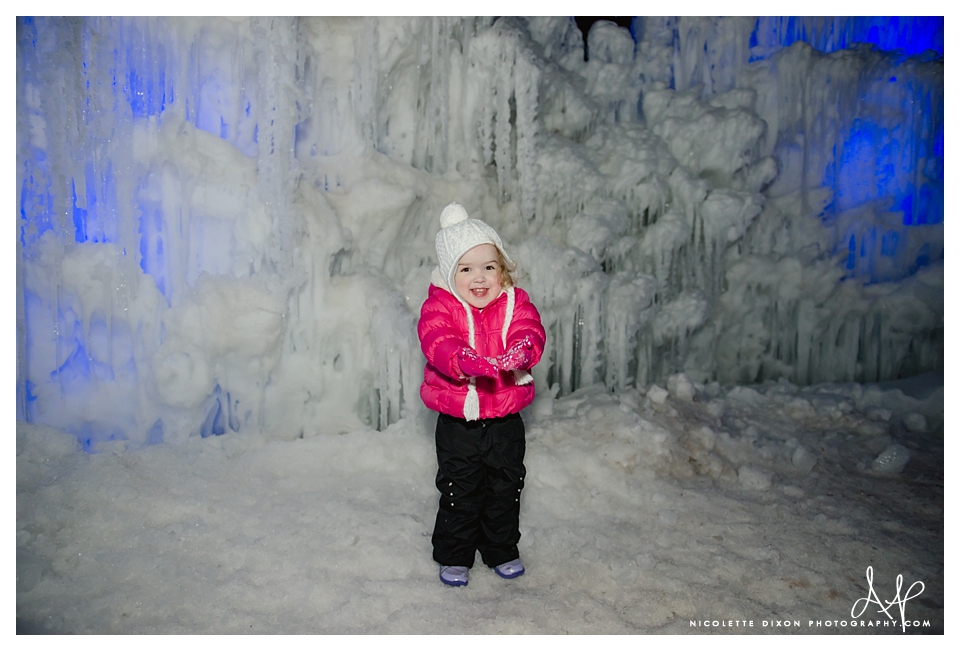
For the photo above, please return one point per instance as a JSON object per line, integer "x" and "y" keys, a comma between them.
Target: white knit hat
{"x": 458, "y": 234}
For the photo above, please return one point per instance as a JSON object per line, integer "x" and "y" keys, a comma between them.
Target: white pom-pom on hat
{"x": 454, "y": 213}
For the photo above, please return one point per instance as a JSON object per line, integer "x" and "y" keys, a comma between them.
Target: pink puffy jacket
{"x": 444, "y": 330}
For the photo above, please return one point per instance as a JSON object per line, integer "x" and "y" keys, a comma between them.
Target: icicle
{"x": 300, "y": 164}
{"x": 503, "y": 94}
{"x": 366, "y": 56}
{"x": 526, "y": 91}
{"x": 277, "y": 165}
{"x": 392, "y": 331}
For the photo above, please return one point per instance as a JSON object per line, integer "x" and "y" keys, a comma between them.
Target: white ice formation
{"x": 228, "y": 223}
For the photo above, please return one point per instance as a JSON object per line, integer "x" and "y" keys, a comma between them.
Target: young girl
{"x": 480, "y": 335}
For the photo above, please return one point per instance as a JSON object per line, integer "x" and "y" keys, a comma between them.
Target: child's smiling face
{"x": 478, "y": 276}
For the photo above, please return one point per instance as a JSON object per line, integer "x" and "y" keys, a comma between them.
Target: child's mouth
{"x": 479, "y": 292}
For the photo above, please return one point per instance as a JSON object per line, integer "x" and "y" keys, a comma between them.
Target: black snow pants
{"x": 480, "y": 479}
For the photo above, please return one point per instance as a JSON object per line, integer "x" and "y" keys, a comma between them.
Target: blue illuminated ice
{"x": 726, "y": 206}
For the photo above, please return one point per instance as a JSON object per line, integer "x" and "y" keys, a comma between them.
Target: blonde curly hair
{"x": 507, "y": 270}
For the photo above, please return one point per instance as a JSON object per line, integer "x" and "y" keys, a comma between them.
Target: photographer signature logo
{"x": 886, "y": 606}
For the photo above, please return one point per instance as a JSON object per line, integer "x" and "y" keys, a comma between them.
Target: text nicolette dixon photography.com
{"x": 859, "y": 609}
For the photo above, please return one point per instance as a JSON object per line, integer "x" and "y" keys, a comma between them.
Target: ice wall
{"x": 227, "y": 224}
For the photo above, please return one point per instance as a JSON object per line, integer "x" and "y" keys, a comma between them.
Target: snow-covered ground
{"x": 644, "y": 511}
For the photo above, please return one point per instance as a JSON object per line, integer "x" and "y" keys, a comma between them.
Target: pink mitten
{"x": 517, "y": 356}
{"x": 472, "y": 365}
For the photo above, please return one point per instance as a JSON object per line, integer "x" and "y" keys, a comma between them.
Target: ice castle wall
{"x": 227, "y": 224}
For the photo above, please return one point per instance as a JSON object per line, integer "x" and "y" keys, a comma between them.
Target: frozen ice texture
{"x": 754, "y": 478}
{"x": 892, "y": 460}
{"x": 915, "y": 422}
{"x": 227, "y": 224}
{"x": 681, "y": 387}
{"x": 803, "y": 459}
